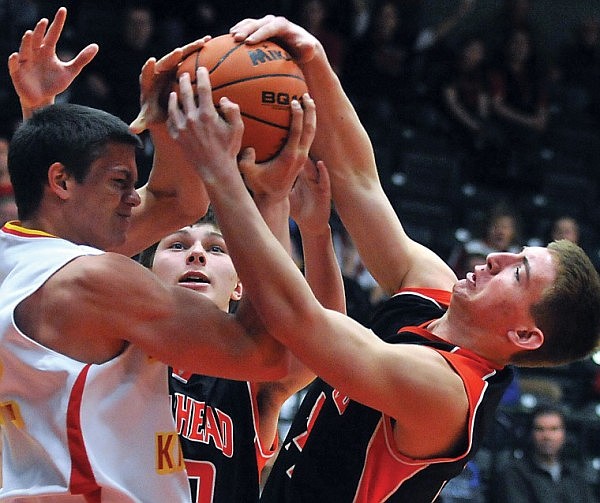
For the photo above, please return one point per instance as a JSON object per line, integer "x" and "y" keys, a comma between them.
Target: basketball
{"x": 262, "y": 79}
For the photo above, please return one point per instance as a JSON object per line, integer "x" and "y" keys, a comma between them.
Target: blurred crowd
{"x": 484, "y": 111}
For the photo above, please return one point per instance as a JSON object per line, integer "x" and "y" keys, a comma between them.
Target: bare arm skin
{"x": 119, "y": 302}
{"x": 431, "y": 413}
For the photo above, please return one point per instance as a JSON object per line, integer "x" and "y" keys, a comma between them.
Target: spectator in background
{"x": 315, "y": 16}
{"x": 543, "y": 474}
{"x": 431, "y": 47}
{"x": 466, "y": 98}
{"x": 512, "y": 15}
{"x": 565, "y": 227}
{"x": 580, "y": 67}
{"x": 118, "y": 65}
{"x": 466, "y": 94}
{"x": 354, "y": 18}
{"x": 377, "y": 74}
{"x": 519, "y": 89}
{"x": 119, "y": 62}
{"x": 5, "y": 185}
{"x": 501, "y": 233}
{"x": 202, "y": 17}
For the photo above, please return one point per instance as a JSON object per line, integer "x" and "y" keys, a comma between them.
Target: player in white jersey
{"x": 83, "y": 331}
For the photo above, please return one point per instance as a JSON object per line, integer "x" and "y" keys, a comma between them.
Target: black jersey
{"x": 338, "y": 450}
{"x": 217, "y": 423}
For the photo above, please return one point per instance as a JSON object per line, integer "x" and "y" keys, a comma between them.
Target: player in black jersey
{"x": 228, "y": 428}
{"x": 401, "y": 407}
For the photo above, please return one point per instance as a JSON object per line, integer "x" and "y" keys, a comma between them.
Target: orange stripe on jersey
{"x": 14, "y": 228}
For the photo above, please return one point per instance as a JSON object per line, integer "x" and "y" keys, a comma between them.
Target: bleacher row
{"x": 423, "y": 175}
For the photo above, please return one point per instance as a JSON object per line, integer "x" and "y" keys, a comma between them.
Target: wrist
{"x": 28, "y": 109}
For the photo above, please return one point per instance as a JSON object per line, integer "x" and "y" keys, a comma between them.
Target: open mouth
{"x": 194, "y": 278}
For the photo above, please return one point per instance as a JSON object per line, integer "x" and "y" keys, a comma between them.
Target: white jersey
{"x": 73, "y": 431}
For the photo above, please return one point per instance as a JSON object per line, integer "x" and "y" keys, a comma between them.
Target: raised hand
{"x": 210, "y": 139}
{"x": 310, "y": 198}
{"x": 156, "y": 78}
{"x": 298, "y": 42}
{"x": 276, "y": 177}
{"x": 37, "y": 74}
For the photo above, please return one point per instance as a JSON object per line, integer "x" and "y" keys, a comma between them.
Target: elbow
{"x": 276, "y": 362}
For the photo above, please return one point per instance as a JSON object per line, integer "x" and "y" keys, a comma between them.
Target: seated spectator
{"x": 501, "y": 234}
{"x": 519, "y": 103}
{"x": 565, "y": 228}
{"x": 580, "y": 67}
{"x": 315, "y": 16}
{"x": 377, "y": 75}
{"x": 543, "y": 474}
{"x": 466, "y": 94}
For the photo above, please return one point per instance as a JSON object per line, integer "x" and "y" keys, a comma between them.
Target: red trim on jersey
{"x": 82, "y": 479}
{"x": 14, "y": 227}
{"x": 263, "y": 454}
{"x": 440, "y": 296}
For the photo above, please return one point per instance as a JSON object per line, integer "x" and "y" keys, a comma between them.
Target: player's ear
{"x": 527, "y": 338}
{"x": 58, "y": 179}
{"x": 237, "y": 291}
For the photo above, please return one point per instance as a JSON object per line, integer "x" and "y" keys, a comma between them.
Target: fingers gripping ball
{"x": 262, "y": 79}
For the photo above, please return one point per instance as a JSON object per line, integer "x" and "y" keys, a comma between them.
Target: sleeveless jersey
{"x": 73, "y": 431}
{"x": 217, "y": 422}
{"x": 340, "y": 450}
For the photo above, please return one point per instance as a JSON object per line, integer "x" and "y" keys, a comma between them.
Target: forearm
{"x": 341, "y": 140}
{"x": 277, "y": 298}
{"x": 275, "y": 213}
{"x": 173, "y": 176}
{"x": 322, "y": 270}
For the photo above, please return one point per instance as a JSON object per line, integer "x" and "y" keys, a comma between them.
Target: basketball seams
{"x": 257, "y": 77}
{"x": 221, "y": 59}
{"x": 265, "y": 122}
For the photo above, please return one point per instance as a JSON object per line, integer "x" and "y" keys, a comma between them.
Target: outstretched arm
{"x": 342, "y": 143}
{"x": 279, "y": 192}
{"x": 431, "y": 414}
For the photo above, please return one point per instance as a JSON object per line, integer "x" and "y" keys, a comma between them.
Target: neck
{"x": 467, "y": 335}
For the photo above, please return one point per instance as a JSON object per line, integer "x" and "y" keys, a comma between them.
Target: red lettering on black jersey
{"x": 211, "y": 428}
{"x": 199, "y": 422}
{"x": 183, "y": 411}
{"x": 300, "y": 439}
{"x": 226, "y": 428}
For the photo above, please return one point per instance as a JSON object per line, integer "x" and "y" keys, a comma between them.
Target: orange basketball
{"x": 262, "y": 79}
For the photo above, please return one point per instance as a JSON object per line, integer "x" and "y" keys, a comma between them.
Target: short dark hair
{"x": 569, "y": 312}
{"x": 71, "y": 134}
